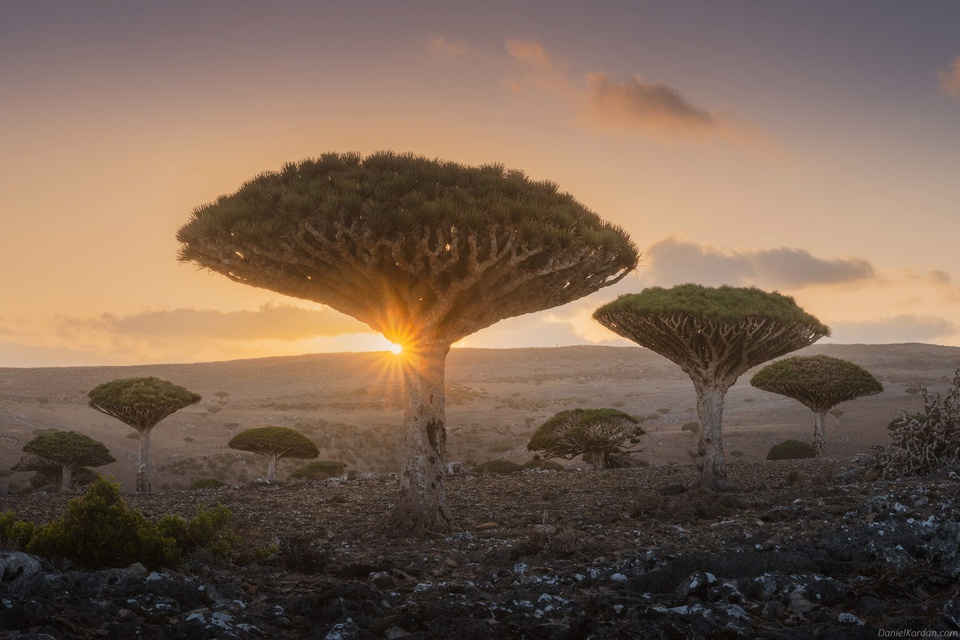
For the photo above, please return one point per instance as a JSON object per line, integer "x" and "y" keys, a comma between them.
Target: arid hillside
{"x": 349, "y": 404}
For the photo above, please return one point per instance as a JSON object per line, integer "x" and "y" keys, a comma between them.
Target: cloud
{"x": 446, "y": 49}
{"x": 950, "y": 79}
{"x": 271, "y": 321}
{"x": 633, "y": 105}
{"x": 897, "y": 329}
{"x": 652, "y": 107}
{"x": 675, "y": 261}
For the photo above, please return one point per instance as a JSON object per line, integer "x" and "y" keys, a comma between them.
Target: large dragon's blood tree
{"x": 423, "y": 251}
{"x": 819, "y": 383}
{"x": 141, "y": 403}
{"x": 715, "y": 335}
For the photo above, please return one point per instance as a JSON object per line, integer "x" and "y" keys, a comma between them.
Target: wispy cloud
{"x": 950, "y": 79}
{"x": 447, "y": 49}
{"x": 634, "y": 105}
{"x": 271, "y": 321}
{"x": 185, "y": 335}
{"x": 675, "y": 261}
{"x": 650, "y": 107}
{"x": 896, "y": 329}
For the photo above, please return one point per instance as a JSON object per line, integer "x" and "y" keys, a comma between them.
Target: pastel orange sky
{"x": 811, "y": 148}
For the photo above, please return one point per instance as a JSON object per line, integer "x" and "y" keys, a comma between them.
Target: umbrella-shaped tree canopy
{"x": 819, "y": 383}
{"x": 68, "y": 450}
{"x": 424, "y": 251}
{"x": 714, "y": 335}
{"x": 275, "y": 443}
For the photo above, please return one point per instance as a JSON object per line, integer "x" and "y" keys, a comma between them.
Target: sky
{"x": 809, "y": 148}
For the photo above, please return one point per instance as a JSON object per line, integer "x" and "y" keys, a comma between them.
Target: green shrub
{"x": 15, "y": 533}
{"x": 539, "y": 463}
{"x": 791, "y": 450}
{"x": 498, "y": 466}
{"x": 99, "y": 530}
{"x": 319, "y": 470}
{"x": 925, "y": 444}
{"x": 206, "y": 530}
{"x": 207, "y": 483}
{"x": 692, "y": 427}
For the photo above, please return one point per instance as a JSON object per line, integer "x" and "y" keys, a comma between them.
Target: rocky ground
{"x": 804, "y": 549}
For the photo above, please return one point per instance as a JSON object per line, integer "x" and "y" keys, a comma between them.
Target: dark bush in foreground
{"x": 498, "y": 466}
{"x": 925, "y": 444}
{"x": 319, "y": 470}
{"x": 791, "y": 450}
{"x": 99, "y": 530}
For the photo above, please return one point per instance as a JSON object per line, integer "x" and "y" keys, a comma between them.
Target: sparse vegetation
{"x": 926, "y": 444}
{"x": 791, "y": 450}
{"x": 692, "y": 427}
{"x": 208, "y": 483}
{"x": 539, "y": 463}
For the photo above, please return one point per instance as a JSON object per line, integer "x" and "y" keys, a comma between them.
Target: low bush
{"x": 319, "y": 470}
{"x": 925, "y": 444}
{"x": 791, "y": 450}
{"x": 207, "y": 483}
{"x": 692, "y": 427}
{"x": 99, "y": 530}
{"x": 498, "y": 466}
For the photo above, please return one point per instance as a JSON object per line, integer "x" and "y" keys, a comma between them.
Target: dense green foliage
{"x": 926, "y": 444}
{"x": 140, "y": 402}
{"x": 791, "y": 450}
{"x": 98, "y": 530}
{"x": 279, "y": 442}
{"x": 319, "y": 470}
{"x": 725, "y": 304}
{"x": 819, "y": 382}
{"x": 393, "y": 194}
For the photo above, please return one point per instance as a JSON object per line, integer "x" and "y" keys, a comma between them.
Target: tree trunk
{"x": 66, "y": 478}
{"x": 819, "y": 432}
{"x": 422, "y": 503}
{"x": 599, "y": 459}
{"x": 713, "y": 472}
{"x": 143, "y": 463}
{"x": 272, "y": 468}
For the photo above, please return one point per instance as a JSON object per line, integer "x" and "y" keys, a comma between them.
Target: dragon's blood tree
{"x": 819, "y": 383}
{"x": 714, "y": 334}
{"x": 423, "y": 251}
{"x": 275, "y": 444}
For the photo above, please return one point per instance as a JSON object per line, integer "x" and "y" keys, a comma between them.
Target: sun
{"x": 395, "y": 348}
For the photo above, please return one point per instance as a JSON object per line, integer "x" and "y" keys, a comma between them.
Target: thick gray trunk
{"x": 143, "y": 463}
{"x": 713, "y": 473}
{"x": 819, "y": 432}
{"x": 66, "y": 478}
{"x": 422, "y": 503}
{"x": 272, "y": 468}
